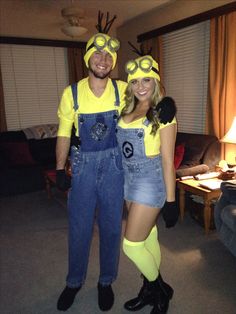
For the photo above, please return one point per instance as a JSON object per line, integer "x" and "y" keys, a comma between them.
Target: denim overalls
{"x": 144, "y": 181}
{"x": 97, "y": 182}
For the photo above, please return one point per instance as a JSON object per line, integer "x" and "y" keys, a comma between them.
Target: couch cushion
{"x": 16, "y": 153}
{"x": 192, "y": 156}
{"x": 43, "y": 151}
{"x": 228, "y": 216}
{"x": 195, "y": 147}
{"x": 12, "y": 136}
{"x": 191, "y": 171}
{"x": 229, "y": 191}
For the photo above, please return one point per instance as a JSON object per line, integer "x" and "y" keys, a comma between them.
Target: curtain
{"x": 3, "y": 123}
{"x": 221, "y": 107}
{"x": 76, "y": 65}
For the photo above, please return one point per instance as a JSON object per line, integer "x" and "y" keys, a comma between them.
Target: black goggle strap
{"x": 91, "y": 46}
{"x": 155, "y": 70}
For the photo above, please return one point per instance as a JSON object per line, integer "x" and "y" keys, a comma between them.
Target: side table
{"x": 192, "y": 185}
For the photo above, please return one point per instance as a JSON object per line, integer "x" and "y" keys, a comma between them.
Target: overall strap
{"x": 75, "y": 94}
{"x": 117, "y": 102}
{"x": 146, "y": 122}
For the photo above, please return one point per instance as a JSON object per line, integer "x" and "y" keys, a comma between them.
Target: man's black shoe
{"x": 66, "y": 298}
{"x": 105, "y": 297}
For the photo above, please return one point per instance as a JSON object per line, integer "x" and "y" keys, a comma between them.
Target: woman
{"x": 148, "y": 153}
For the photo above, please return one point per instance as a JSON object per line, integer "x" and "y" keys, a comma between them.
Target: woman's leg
{"x": 142, "y": 247}
{"x": 141, "y": 219}
{"x": 139, "y": 224}
{"x": 153, "y": 246}
{"x": 151, "y": 242}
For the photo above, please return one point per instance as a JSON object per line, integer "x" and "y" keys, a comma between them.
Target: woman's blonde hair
{"x": 131, "y": 102}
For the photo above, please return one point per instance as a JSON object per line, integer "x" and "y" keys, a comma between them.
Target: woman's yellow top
{"x": 152, "y": 142}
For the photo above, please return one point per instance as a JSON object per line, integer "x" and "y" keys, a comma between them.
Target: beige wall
{"x": 23, "y": 18}
{"x": 171, "y": 13}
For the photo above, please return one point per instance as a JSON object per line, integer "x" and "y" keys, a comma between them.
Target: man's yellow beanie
{"x": 91, "y": 48}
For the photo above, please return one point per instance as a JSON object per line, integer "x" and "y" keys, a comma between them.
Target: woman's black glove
{"x": 170, "y": 213}
{"x": 63, "y": 181}
{"x": 166, "y": 109}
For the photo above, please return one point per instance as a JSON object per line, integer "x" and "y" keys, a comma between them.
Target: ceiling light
{"x": 73, "y": 30}
{"x": 73, "y": 16}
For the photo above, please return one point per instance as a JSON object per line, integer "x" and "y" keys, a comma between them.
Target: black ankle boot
{"x": 161, "y": 299}
{"x": 66, "y": 298}
{"x": 105, "y": 297}
{"x": 166, "y": 287}
{"x": 144, "y": 298}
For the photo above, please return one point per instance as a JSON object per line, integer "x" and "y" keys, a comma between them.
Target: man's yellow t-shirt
{"x": 88, "y": 103}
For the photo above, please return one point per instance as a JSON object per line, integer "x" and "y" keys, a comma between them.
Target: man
{"x": 97, "y": 174}
{"x": 93, "y": 105}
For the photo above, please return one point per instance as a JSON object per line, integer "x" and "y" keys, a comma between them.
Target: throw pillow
{"x": 179, "y": 154}
{"x": 17, "y": 153}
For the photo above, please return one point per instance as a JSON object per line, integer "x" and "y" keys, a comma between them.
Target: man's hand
{"x": 166, "y": 109}
{"x": 63, "y": 181}
{"x": 170, "y": 213}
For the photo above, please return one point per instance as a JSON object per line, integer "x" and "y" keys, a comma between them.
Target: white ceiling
{"x": 42, "y": 18}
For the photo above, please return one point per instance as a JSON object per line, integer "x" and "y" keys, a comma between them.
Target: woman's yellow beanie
{"x": 139, "y": 73}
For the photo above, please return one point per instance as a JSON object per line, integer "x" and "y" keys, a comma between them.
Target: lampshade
{"x": 230, "y": 136}
{"x": 73, "y": 30}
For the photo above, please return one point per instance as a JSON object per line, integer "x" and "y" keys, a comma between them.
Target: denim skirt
{"x": 144, "y": 183}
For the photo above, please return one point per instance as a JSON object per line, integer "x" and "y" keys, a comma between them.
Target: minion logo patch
{"x": 99, "y": 131}
{"x": 128, "y": 149}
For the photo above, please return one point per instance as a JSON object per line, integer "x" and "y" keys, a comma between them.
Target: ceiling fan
{"x": 74, "y": 16}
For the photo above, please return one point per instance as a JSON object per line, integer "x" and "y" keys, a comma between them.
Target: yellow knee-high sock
{"x": 142, "y": 258}
{"x": 153, "y": 246}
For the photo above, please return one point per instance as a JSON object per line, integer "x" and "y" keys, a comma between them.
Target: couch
{"x": 225, "y": 216}
{"x": 24, "y": 156}
{"x": 199, "y": 153}
{"x": 27, "y": 153}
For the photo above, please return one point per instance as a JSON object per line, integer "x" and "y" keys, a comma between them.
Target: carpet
{"x": 33, "y": 263}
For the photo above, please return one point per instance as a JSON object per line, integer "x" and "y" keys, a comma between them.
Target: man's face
{"x": 100, "y": 64}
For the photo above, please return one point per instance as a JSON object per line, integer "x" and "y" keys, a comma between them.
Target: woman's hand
{"x": 166, "y": 109}
{"x": 170, "y": 213}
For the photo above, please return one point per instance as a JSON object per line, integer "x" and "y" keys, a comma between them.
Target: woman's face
{"x": 143, "y": 88}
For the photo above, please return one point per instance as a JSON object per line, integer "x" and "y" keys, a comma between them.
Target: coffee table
{"x": 50, "y": 180}
{"x": 192, "y": 185}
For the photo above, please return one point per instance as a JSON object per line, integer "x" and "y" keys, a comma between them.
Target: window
{"x": 185, "y": 68}
{"x": 33, "y": 80}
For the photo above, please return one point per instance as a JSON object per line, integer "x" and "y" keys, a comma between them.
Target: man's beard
{"x": 99, "y": 75}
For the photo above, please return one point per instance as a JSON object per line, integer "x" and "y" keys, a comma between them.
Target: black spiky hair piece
{"x": 108, "y": 24}
{"x": 140, "y": 52}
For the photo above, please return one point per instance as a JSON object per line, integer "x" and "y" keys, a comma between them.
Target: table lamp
{"x": 230, "y": 137}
